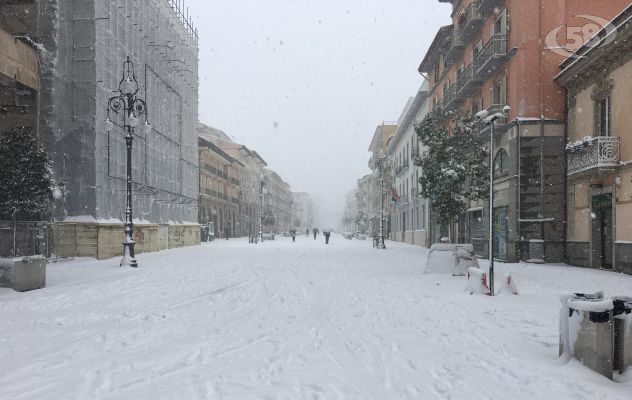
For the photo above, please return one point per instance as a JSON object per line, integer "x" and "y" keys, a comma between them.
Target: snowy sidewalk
{"x": 283, "y": 320}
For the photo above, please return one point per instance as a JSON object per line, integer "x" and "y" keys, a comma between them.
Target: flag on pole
{"x": 394, "y": 195}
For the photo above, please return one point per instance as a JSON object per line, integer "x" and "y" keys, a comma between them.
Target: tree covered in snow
{"x": 25, "y": 176}
{"x": 268, "y": 218}
{"x": 454, "y": 165}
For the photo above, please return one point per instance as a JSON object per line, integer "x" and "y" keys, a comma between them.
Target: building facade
{"x": 410, "y": 211}
{"x": 19, "y": 65}
{"x": 278, "y": 200}
{"x": 250, "y": 180}
{"x": 83, "y": 47}
{"x": 479, "y": 62}
{"x": 599, "y": 151}
{"x": 220, "y": 187}
{"x": 379, "y": 189}
{"x": 303, "y": 211}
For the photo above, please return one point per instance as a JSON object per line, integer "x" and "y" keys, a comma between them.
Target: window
{"x": 501, "y": 164}
{"x": 477, "y": 49}
{"x": 500, "y": 25}
{"x": 602, "y": 119}
{"x": 475, "y": 107}
{"x": 499, "y": 92}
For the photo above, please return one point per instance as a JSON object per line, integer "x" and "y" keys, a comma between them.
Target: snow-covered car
{"x": 268, "y": 236}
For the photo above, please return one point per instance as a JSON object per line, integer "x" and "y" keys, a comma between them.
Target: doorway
{"x": 500, "y": 233}
{"x": 602, "y": 230}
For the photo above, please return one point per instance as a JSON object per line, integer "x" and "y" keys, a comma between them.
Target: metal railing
{"x": 467, "y": 81}
{"x": 485, "y": 7}
{"x": 449, "y": 99}
{"x": 596, "y": 152}
{"x": 491, "y": 55}
{"x": 470, "y": 21}
{"x": 456, "y": 47}
{"x": 25, "y": 238}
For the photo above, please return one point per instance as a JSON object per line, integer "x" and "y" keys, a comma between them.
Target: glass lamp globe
{"x": 132, "y": 120}
{"x": 109, "y": 125}
{"x": 128, "y": 86}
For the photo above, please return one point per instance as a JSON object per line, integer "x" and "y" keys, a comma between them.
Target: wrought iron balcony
{"x": 593, "y": 152}
{"x": 486, "y": 7}
{"x": 450, "y": 99}
{"x": 470, "y": 21}
{"x": 467, "y": 82}
{"x": 491, "y": 56}
{"x": 455, "y": 48}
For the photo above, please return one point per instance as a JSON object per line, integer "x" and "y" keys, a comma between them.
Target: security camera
{"x": 481, "y": 115}
{"x": 506, "y": 110}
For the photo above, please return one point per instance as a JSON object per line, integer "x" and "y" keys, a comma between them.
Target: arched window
{"x": 501, "y": 163}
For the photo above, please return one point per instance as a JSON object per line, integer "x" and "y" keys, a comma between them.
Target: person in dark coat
{"x": 227, "y": 232}
{"x": 307, "y": 232}
{"x": 293, "y": 233}
{"x": 315, "y": 230}
{"x": 327, "y": 234}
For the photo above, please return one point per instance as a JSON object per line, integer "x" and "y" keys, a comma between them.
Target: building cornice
{"x": 430, "y": 59}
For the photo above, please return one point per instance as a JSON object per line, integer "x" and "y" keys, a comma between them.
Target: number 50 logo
{"x": 578, "y": 36}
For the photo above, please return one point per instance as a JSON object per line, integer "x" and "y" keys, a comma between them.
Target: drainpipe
{"x": 541, "y": 136}
{"x": 519, "y": 188}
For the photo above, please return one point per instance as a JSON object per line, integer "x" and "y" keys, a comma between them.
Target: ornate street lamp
{"x": 381, "y": 163}
{"x": 126, "y": 110}
{"x": 261, "y": 187}
{"x": 490, "y": 120}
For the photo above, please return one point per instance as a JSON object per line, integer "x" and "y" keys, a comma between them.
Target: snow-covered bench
{"x": 454, "y": 259}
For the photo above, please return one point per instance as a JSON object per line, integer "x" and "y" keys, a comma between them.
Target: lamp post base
{"x": 128, "y": 260}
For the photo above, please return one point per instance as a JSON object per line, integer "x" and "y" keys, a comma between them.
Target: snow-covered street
{"x": 283, "y": 320}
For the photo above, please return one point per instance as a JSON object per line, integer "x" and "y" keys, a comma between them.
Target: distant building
{"x": 83, "y": 47}
{"x": 250, "y": 173}
{"x": 379, "y": 196}
{"x": 409, "y": 222}
{"x": 278, "y": 200}
{"x": 303, "y": 210}
{"x": 219, "y": 189}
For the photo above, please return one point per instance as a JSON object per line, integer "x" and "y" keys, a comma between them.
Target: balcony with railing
{"x": 470, "y": 21}
{"x": 491, "y": 56}
{"x": 402, "y": 168}
{"x": 449, "y": 98}
{"x": 455, "y": 47}
{"x": 593, "y": 152}
{"x": 486, "y": 7}
{"x": 467, "y": 82}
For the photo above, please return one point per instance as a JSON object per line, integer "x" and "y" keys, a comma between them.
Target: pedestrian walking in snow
{"x": 293, "y": 233}
{"x": 307, "y": 232}
{"x": 315, "y": 230}
{"x": 327, "y": 234}
{"x": 227, "y": 232}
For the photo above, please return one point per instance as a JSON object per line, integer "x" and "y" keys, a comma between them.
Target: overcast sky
{"x": 306, "y": 82}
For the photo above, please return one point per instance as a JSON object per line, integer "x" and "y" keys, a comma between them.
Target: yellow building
{"x": 219, "y": 189}
{"x": 599, "y": 151}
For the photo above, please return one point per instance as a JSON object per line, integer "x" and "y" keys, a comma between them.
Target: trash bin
{"x": 597, "y": 331}
{"x": 622, "y": 313}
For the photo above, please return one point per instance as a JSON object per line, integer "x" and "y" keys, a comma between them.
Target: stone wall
{"x": 103, "y": 241}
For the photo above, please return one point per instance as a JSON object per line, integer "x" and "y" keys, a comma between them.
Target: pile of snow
{"x": 454, "y": 259}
